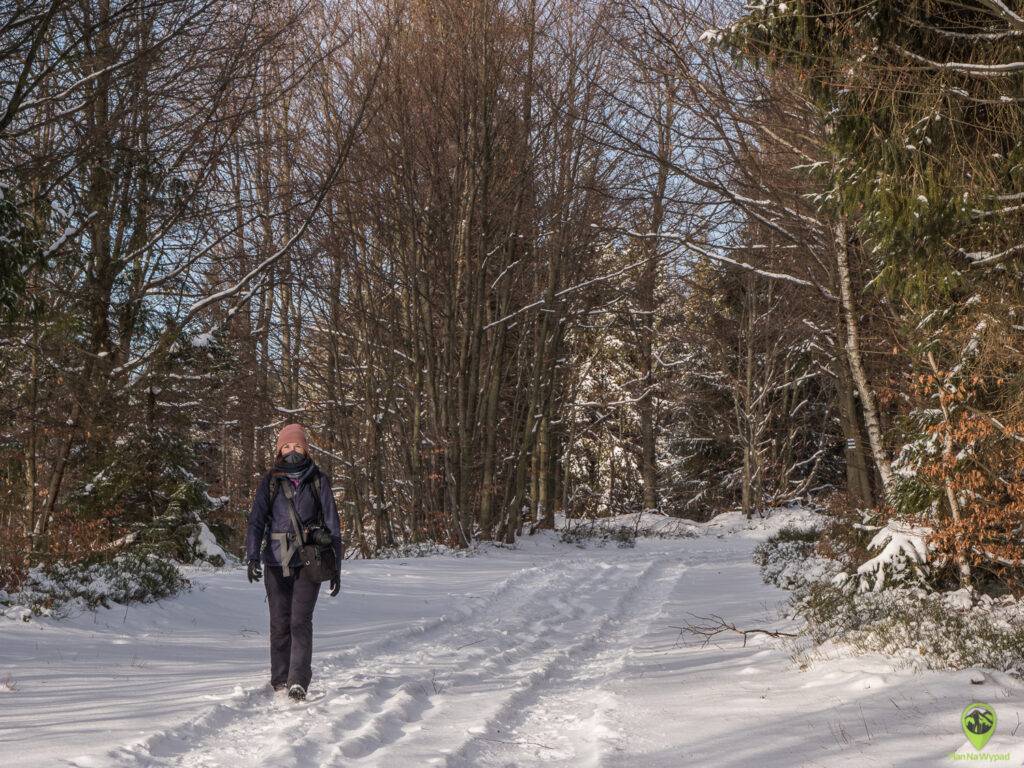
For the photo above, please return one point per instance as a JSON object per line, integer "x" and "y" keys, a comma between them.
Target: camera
{"x": 319, "y": 536}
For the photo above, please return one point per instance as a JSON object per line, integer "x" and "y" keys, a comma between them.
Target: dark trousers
{"x": 291, "y": 601}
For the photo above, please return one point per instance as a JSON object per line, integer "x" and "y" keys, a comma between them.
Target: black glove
{"x": 255, "y": 572}
{"x": 335, "y": 583}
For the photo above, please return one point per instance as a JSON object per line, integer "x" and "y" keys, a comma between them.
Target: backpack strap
{"x": 272, "y": 489}
{"x": 273, "y": 486}
{"x": 319, "y": 503}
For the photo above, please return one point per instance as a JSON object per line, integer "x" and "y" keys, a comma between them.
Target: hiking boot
{"x": 296, "y": 692}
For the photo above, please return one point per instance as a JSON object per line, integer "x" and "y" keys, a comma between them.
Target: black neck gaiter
{"x": 293, "y": 464}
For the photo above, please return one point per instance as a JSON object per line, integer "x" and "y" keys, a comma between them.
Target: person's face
{"x": 289, "y": 447}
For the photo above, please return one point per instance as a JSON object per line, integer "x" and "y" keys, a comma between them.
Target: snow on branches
{"x": 902, "y": 558}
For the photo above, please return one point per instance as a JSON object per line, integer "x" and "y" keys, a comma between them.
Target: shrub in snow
{"x": 649, "y": 523}
{"x": 431, "y": 548}
{"x": 205, "y": 545}
{"x": 416, "y": 549}
{"x": 143, "y": 578}
{"x": 180, "y": 533}
{"x": 952, "y": 630}
{"x": 591, "y": 532}
{"x": 142, "y": 474}
{"x": 902, "y": 558}
{"x": 60, "y": 588}
{"x": 146, "y": 568}
{"x": 625, "y": 529}
{"x": 787, "y": 559}
{"x": 887, "y": 608}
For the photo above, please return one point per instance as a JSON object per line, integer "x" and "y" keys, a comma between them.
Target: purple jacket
{"x": 263, "y": 520}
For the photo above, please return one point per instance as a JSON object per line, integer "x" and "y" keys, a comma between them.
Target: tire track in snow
{"x": 506, "y": 643}
{"x": 475, "y": 704}
{"x": 398, "y": 685}
{"x": 499, "y": 656}
{"x": 567, "y": 721}
{"x": 572, "y": 668}
{"x": 170, "y": 746}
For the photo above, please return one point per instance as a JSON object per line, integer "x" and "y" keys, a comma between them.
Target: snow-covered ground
{"x": 544, "y": 655}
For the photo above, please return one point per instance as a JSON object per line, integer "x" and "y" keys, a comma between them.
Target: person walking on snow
{"x": 291, "y": 599}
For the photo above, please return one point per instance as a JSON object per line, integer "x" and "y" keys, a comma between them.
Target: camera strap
{"x": 289, "y": 494}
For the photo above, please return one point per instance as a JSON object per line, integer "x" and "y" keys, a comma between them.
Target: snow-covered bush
{"x": 60, "y": 588}
{"x": 951, "y": 630}
{"x": 179, "y": 532}
{"x": 788, "y": 559}
{"x": 591, "y": 532}
{"x": 625, "y": 529}
{"x": 888, "y": 607}
{"x": 206, "y": 546}
{"x": 902, "y": 559}
{"x": 416, "y": 549}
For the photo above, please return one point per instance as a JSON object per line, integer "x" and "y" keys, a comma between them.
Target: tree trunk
{"x": 853, "y": 354}
{"x": 858, "y": 474}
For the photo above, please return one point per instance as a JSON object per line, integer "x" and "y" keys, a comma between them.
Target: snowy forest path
{"x": 451, "y": 692}
{"x": 541, "y": 655}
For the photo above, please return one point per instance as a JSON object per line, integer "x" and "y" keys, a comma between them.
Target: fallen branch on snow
{"x": 719, "y": 625}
